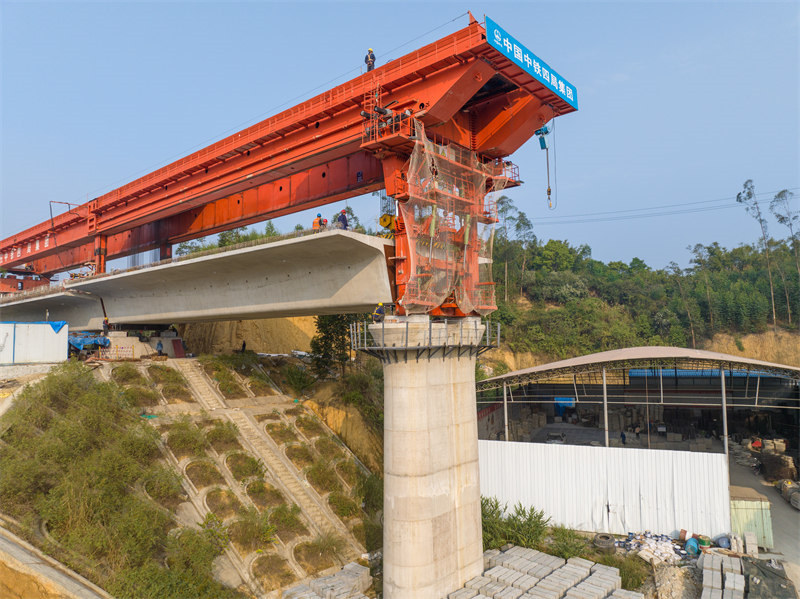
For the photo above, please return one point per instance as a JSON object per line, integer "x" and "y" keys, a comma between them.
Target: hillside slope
{"x": 272, "y": 335}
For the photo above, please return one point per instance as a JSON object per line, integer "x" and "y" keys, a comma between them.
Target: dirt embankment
{"x": 22, "y": 585}
{"x": 272, "y": 335}
{"x": 346, "y": 421}
{"x": 780, "y": 347}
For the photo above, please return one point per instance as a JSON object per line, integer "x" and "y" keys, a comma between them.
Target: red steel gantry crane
{"x": 433, "y": 128}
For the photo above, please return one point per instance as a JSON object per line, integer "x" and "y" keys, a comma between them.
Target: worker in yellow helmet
{"x": 370, "y": 60}
{"x": 378, "y": 313}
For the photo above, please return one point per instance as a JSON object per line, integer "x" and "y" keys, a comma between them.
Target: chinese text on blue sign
{"x": 498, "y": 38}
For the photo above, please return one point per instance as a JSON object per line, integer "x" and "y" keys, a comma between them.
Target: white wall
{"x": 32, "y": 342}
{"x": 611, "y": 489}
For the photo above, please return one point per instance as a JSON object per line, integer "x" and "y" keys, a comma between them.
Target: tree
{"x": 270, "y": 230}
{"x": 231, "y": 237}
{"x": 781, "y": 209}
{"x": 678, "y": 276}
{"x": 748, "y": 197}
{"x": 331, "y": 345}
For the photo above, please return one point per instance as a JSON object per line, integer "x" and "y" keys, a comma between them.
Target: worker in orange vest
{"x": 317, "y": 223}
{"x": 369, "y": 59}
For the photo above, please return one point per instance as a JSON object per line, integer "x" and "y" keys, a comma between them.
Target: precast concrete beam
{"x": 432, "y": 540}
{"x": 333, "y": 272}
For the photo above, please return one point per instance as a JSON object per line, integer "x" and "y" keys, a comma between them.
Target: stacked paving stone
{"x": 722, "y": 577}
{"x": 348, "y": 583}
{"x": 520, "y": 573}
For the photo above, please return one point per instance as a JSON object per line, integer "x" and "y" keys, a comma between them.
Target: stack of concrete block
{"x": 722, "y": 577}
{"x": 737, "y": 544}
{"x": 348, "y": 583}
{"x": 751, "y": 544}
{"x": 734, "y": 586}
{"x": 623, "y": 594}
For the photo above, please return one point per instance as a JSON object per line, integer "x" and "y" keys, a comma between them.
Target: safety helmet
{"x": 318, "y": 214}
{"x": 380, "y": 303}
{"x": 370, "y": 50}
{"x": 344, "y": 211}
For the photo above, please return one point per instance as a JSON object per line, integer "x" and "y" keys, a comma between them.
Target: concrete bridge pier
{"x": 432, "y": 541}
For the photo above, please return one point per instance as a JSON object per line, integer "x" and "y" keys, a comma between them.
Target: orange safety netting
{"x": 449, "y": 220}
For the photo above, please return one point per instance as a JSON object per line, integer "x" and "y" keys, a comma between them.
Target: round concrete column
{"x": 432, "y": 541}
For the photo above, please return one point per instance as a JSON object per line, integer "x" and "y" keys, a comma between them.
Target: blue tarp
{"x": 82, "y": 340}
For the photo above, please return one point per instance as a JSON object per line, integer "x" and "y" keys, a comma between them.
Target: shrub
{"x": 223, "y": 436}
{"x": 140, "y": 397}
{"x": 321, "y": 475}
{"x": 252, "y": 530}
{"x": 300, "y": 455}
{"x": 128, "y": 374}
{"x": 370, "y": 490}
{"x": 281, "y": 433}
{"x": 203, "y": 474}
{"x": 243, "y": 465}
{"x": 320, "y": 553}
{"x": 309, "y": 426}
{"x": 342, "y": 505}
{"x": 164, "y": 485}
{"x": 273, "y": 415}
{"x": 294, "y": 411}
{"x": 264, "y": 495}
{"x": 566, "y": 543}
{"x": 161, "y": 374}
{"x": 328, "y": 447}
{"x": 632, "y": 569}
{"x": 185, "y": 439}
{"x": 298, "y": 378}
{"x": 176, "y": 391}
{"x": 217, "y": 369}
{"x": 287, "y": 522}
{"x": 525, "y": 527}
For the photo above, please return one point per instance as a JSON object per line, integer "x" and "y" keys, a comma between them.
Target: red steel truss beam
{"x": 303, "y": 157}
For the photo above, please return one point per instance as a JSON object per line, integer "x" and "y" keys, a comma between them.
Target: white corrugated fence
{"x": 611, "y": 489}
{"x": 33, "y": 342}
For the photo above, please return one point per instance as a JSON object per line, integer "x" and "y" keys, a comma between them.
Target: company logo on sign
{"x": 499, "y": 39}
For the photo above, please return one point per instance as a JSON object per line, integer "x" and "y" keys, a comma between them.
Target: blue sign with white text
{"x": 533, "y": 65}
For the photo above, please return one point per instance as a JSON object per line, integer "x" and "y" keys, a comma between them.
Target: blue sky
{"x": 680, "y": 103}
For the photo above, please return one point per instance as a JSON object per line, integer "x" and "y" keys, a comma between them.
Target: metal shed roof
{"x": 640, "y": 357}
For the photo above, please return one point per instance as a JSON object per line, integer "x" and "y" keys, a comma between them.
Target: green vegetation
{"x": 526, "y": 527}
{"x": 273, "y": 572}
{"x": 203, "y": 474}
{"x": 300, "y": 455}
{"x": 364, "y": 390}
{"x": 228, "y": 239}
{"x": 223, "y": 436}
{"x": 251, "y": 530}
{"x": 320, "y": 553}
{"x": 557, "y": 301}
{"x": 322, "y": 476}
{"x": 342, "y": 505}
{"x": 243, "y": 465}
{"x": 294, "y": 411}
{"x": 263, "y": 495}
{"x": 273, "y": 415}
{"x": 185, "y": 439}
{"x": 632, "y": 570}
{"x": 218, "y": 368}
{"x": 175, "y": 391}
{"x": 287, "y": 522}
{"x": 297, "y": 378}
{"x": 309, "y": 426}
{"x": 140, "y": 397}
{"x": 567, "y": 543}
{"x": 164, "y": 485}
{"x": 349, "y": 472}
{"x": 281, "y": 433}
{"x": 259, "y": 386}
{"x": 223, "y": 503}
{"x": 73, "y": 456}
{"x": 370, "y": 490}
{"x": 128, "y": 374}
{"x": 330, "y": 346}
{"x": 162, "y": 375}
{"x": 328, "y": 447}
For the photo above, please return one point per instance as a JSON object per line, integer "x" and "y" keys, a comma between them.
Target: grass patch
{"x": 264, "y": 495}
{"x": 328, "y": 447}
{"x": 309, "y": 426}
{"x": 162, "y": 375}
{"x": 273, "y": 415}
{"x": 223, "y": 503}
{"x": 342, "y": 505}
{"x": 369, "y": 532}
{"x": 260, "y": 387}
{"x": 223, "y": 436}
{"x": 185, "y": 439}
{"x": 243, "y": 466}
{"x": 632, "y": 569}
{"x": 287, "y": 523}
{"x": 282, "y": 433}
{"x": 295, "y": 411}
{"x": 348, "y": 471}
{"x": 203, "y": 474}
{"x": 128, "y": 374}
{"x": 164, "y": 485}
{"x": 217, "y": 368}
{"x": 251, "y": 531}
{"x": 176, "y": 392}
{"x": 566, "y": 543}
{"x": 319, "y": 554}
{"x": 522, "y": 526}
{"x": 297, "y": 378}
{"x": 273, "y": 572}
{"x": 140, "y": 397}
{"x": 300, "y": 455}
{"x": 322, "y": 476}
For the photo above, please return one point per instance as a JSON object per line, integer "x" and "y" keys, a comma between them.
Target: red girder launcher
{"x": 433, "y": 128}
